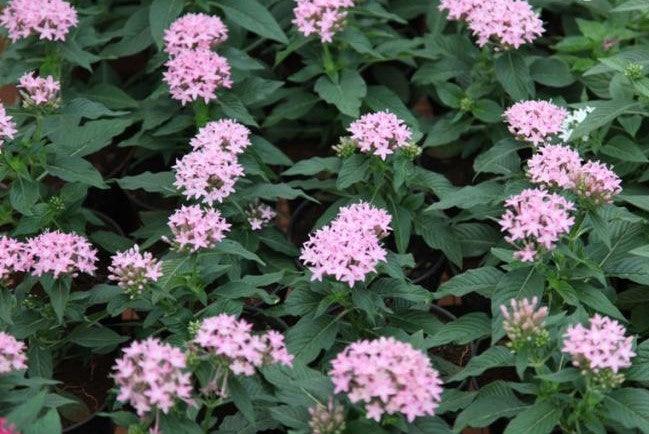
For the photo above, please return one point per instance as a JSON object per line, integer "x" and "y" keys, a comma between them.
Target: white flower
{"x": 572, "y": 120}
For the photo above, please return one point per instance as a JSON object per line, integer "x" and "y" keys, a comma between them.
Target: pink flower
{"x": 535, "y": 121}
{"x": 322, "y": 17}
{"x": 7, "y": 126}
{"x": 195, "y": 228}
{"x": 61, "y": 253}
{"x": 208, "y": 174}
{"x": 233, "y": 342}
{"x": 194, "y": 32}
{"x": 259, "y": 215}
{"x": 150, "y": 376}
{"x": 380, "y": 133}
{"x": 14, "y": 257}
{"x": 39, "y": 91}
{"x": 12, "y": 354}
{"x": 601, "y": 346}
{"x": 5, "y": 428}
{"x": 554, "y": 166}
{"x": 595, "y": 181}
{"x": 50, "y": 19}
{"x": 226, "y": 135}
{"x": 327, "y": 420}
{"x": 197, "y": 74}
{"x": 535, "y": 220}
{"x": 507, "y": 23}
{"x": 459, "y": 9}
{"x": 349, "y": 247}
{"x": 133, "y": 270}
{"x": 524, "y": 321}
{"x": 388, "y": 376}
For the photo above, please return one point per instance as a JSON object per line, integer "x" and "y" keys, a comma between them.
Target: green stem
{"x": 201, "y": 113}
{"x": 328, "y": 62}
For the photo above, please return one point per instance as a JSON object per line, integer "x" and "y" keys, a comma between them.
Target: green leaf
{"x": 314, "y": 165}
{"x": 269, "y": 153}
{"x": 96, "y": 336}
{"x": 50, "y": 423}
{"x": 628, "y": 407}
{"x": 440, "y": 235}
{"x": 487, "y": 111}
{"x": 605, "y": 111}
{"x": 494, "y": 357}
{"x": 27, "y": 412}
{"x": 624, "y": 149}
{"x": 445, "y": 131}
{"x": 89, "y": 138}
{"x": 75, "y": 169}
{"x": 85, "y": 108}
{"x": 481, "y": 280}
{"x": 494, "y": 401}
{"x": 346, "y": 94}
{"x": 275, "y": 191}
{"x": 251, "y": 15}
{"x": 232, "y": 106}
{"x": 241, "y": 397}
{"x": 463, "y": 330}
{"x": 470, "y": 196}
{"x": 381, "y": 98}
{"x": 540, "y": 418}
{"x": 310, "y": 335}
{"x": 161, "y": 14}
{"x": 514, "y": 75}
{"x": 24, "y": 194}
{"x": 632, "y": 6}
{"x": 231, "y": 247}
{"x": 502, "y": 158}
{"x": 111, "y": 242}
{"x": 551, "y": 71}
{"x": 59, "y": 294}
{"x": 73, "y": 53}
{"x": 354, "y": 169}
{"x": 161, "y": 182}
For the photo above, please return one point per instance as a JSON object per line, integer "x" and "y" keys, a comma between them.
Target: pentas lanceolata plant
{"x": 323, "y": 216}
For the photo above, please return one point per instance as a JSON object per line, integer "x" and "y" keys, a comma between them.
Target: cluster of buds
{"x": 328, "y": 419}
{"x": 524, "y": 323}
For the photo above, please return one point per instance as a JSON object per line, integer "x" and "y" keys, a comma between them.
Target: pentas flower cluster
{"x": 321, "y": 17}
{"x": 133, "y": 270}
{"x": 49, "y": 19}
{"x": 327, "y": 420}
{"x": 38, "y": 91}
{"x": 388, "y": 376}
{"x": 596, "y": 182}
{"x": 535, "y": 122}
{"x": 259, "y": 215}
{"x": 506, "y": 23}
{"x": 554, "y": 166}
{"x": 150, "y": 375}
{"x": 12, "y": 354}
{"x": 6, "y": 428}
{"x": 524, "y": 323}
{"x": 226, "y": 135}
{"x": 600, "y": 350}
{"x": 14, "y": 258}
{"x": 349, "y": 247}
{"x": 194, "y": 71}
{"x": 61, "y": 253}
{"x": 194, "y": 32}
{"x": 195, "y": 228}
{"x": 535, "y": 220}
{"x": 7, "y": 126}
{"x": 233, "y": 342}
{"x": 380, "y": 133}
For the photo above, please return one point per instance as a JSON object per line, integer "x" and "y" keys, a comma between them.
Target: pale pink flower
{"x": 459, "y": 9}
{"x": 14, "y": 257}
{"x": 208, "y": 174}
{"x": 322, "y": 17}
{"x": 595, "y": 181}
{"x": 535, "y": 122}
{"x": 349, "y": 247}
{"x": 61, "y": 253}
{"x": 12, "y": 354}
{"x": 196, "y": 74}
{"x": 7, "y": 126}
{"x": 554, "y": 166}
{"x": 194, "y": 32}
{"x": 328, "y": 419}
{"x": 233, "y": 342}
{"x": 50, "y": 19}
{"x": 133, "y": 270}
{"x": 150, "y": 375}
{"x": 39, "y": 91}
{"x": 535, "y": 220}
{"x": 195, "y": 228}
{"x": 6, "y": 428}
{"x": 227, "y": 135}
{"x": 506, "y": 23}
{"x": 600, "y": 346}
{"x": 388, "y": 377}
{"x": 524, "y": 321}
{"x": 380, "y": 133}
{"x": 259, "y": 215}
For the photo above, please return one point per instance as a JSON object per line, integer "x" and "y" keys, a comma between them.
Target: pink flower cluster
{"x": 380, "y": 133}
{"x": 7, "y": 126}
{"x": 14, "y": 257}
{"x": 5, "y": 428}
{"x": 12, "y": 354}
{"x": 350, "y": 246}
{"x": 388, "y": 376}
{"x": 535, "y": 122}
{"x": 196, "y": 74}
{"x": 50, "y": 19}
{"x": 596, "y": 182}
{"x": 150, "y": 376}
{"x": 39, "y": 91}
{"x": 61, "y": 253}
{"x": 554, "y": 166}
{"x": 259, "y": 215}
{"x": 524, "y": 321}
{"x": 194, "y": 32}
{"x": 226, "y": 135}
{"x": 535, "y": 220}
{"x": 507, "y": 23}
{"x": 601, "y": 346}
{"x": 233, "y": 341}
{"x": 322, "y": 17}
{"x": 195, "y": 228}
{"x": 133, "y": 270}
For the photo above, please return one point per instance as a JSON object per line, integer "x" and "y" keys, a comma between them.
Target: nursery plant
{"x": 324, "y": 216}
